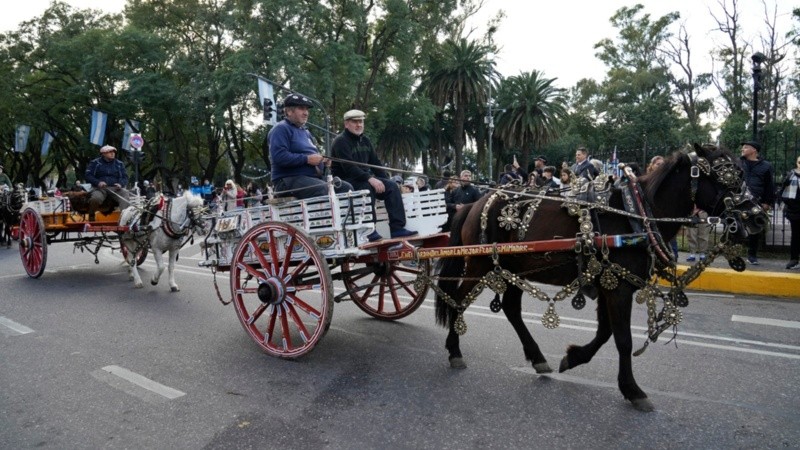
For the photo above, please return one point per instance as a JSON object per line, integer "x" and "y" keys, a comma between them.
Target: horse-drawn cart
{"x": 52, "y": 220}
{"x": 284, "y": 256}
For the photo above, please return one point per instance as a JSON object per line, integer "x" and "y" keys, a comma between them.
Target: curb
{"x": 751, "y": 282}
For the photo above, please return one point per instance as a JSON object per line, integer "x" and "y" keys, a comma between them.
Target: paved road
{"x": 86, "y": 361}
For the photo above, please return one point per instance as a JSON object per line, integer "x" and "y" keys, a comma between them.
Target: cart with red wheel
{"x": 48, "y": 221}
{"x": 283, "y": 258}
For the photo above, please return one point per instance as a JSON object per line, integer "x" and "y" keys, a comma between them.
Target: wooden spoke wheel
{"x": 32, "y": 242}
{"x": 141, "y": 254}
{"x": 386, "y": 290}
{"x": 282, "y": 289}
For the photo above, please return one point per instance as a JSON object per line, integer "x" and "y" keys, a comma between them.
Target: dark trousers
{"x": 753, "y": 242}
{"x": 794, "y": 245}
{"x": 391, "y": 197}
{"x": 306, "y": 187}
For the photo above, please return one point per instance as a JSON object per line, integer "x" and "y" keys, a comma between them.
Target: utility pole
{"x": 757, "y": 58}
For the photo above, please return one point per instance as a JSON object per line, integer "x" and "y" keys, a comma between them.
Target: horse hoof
{"x": 564, "y": 366}
{"x": 153, "y": 282}
{"x": 138, "y": 285}
{"x": 457, "y": 363}
{"x": 542, "y": 367}
{"x": 643, "y": 405}
{"x": 174, "y": 289}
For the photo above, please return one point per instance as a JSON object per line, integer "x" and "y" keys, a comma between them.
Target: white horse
{"x": 164, "y": 224}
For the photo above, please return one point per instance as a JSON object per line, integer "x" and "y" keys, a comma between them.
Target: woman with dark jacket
{"x": 789, "y": 192}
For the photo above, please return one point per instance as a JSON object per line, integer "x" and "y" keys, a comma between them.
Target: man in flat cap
{"x": 759, "y": 176}
{"x": 352, "y": 145}
{"x": 297, "y": 164}
{"x": 109, "y": 179}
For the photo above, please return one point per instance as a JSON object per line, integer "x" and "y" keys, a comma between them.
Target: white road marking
{"x": 765, "y": 321}
{"x": 17, "y": 328}
{"x": 144, "y": 382}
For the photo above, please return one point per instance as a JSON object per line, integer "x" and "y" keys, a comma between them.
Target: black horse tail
{"x": 451, "y": 268}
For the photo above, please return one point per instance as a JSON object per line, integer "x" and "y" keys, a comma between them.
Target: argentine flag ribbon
{"x": 131, "y": 126}
{"x": 98, "y": 132}
{"x": 21, "y": 141}
{"x": 47, "y": 139}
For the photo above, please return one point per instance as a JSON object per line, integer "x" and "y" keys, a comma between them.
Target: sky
{"x": 556, "y": 37}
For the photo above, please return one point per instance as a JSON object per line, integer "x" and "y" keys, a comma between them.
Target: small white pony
{"x": 164, "y": 224}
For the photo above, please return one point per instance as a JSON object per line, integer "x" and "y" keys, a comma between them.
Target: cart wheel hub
{"x": 272, "y": 291}
{"x": 25, "y": 242}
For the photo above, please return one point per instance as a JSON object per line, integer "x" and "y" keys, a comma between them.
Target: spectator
{"x": 4, "y": 179}
{"x": 422, "y": 184}
{"x": 697, "y": 237}
{"x": 195, "y": 187}
{"x": 509, "y": 175}
{"x": 790, "y": 195}
{"x": 444, "y": 181}
{"x": 463, "y": 194}
{"x": 583, "y": 167}
{"x": 229, "y": 196}
{"x": 547, "y": 176}
{"x": 149, "y": 190}
{"x": 78, "y": 187}
{"x": 759, "y": 177}
{"x": 208, "y": 191}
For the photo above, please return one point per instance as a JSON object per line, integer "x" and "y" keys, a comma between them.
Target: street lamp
{"x": 757, "y": 58}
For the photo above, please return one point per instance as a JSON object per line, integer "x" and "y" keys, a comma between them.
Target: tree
{"x": 534, "y": 112}
{"x": 458, "y": 76}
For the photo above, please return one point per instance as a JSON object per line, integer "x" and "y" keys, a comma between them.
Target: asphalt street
{"x": 87, "y": 361}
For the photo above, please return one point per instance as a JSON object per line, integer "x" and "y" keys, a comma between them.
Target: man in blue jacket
{"x": 297, "y": 165}
{"x": 760, "y": 179}
{"x": 352, "y": 145}
{"x": 108, "y": 178}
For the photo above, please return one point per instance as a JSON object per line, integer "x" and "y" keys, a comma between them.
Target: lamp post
{"x": 757, "y": 58}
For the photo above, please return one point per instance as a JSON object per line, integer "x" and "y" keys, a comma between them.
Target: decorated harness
{"x": 585, "y": 199}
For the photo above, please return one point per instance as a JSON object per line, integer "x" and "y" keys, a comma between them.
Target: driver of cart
{"x": 4, "y": 180}
{"x": 352, "y": 145}
{"x": 108, "y": 178}
{"x": 297, "y": 164}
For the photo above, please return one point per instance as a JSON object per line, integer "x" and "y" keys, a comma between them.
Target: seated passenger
{"x": 297, "y": 165}
{"x": 352, "y": 145}
{"x": 108, "y": 178}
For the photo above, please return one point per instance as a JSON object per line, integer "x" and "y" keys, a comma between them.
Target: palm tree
{"x": 458, "y": 77}
{"x": 534, "y": 111}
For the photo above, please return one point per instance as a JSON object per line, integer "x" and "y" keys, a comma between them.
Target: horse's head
{"x": 718, "y": 187}
{"x": 195, "y": 212}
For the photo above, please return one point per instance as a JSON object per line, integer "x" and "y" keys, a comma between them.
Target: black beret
{"x": 544, "y": 160}
{"x": 753, "y": 144}
{"x": 297, "y": 100}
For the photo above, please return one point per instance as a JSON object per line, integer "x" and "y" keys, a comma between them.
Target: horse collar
{"x": 166, "y": 224}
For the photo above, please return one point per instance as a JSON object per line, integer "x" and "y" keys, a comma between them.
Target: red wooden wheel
{"x": 141, "y": 254}
{"x": 32, "y": 242}
{"x": 387, "y": 291}
{"x": 282, "y": 289}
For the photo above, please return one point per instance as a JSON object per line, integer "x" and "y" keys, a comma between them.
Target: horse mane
{"x": 656, "y": 178}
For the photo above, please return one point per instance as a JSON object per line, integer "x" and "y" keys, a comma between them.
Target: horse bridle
{"x": 727, "y": 173}
{"x": 192, "y": 220}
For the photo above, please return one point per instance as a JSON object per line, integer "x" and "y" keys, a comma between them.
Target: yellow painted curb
{"x": 747, "y": 282}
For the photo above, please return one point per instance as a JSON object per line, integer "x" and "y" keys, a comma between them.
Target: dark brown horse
{"x": 708, "y": 177}
{"x": 79, "y": 202}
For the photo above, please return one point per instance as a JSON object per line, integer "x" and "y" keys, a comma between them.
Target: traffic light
{"x": 268, "y": 109}
{"x": 279, "y": 111}
{"x": 137, "y": 156}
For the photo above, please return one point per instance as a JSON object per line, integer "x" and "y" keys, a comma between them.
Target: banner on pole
{"x": 131, "y": 126}
{"x": 47, "y": 139}
{"x": 98, "y": 132}
{"x": 21, "y": 141}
